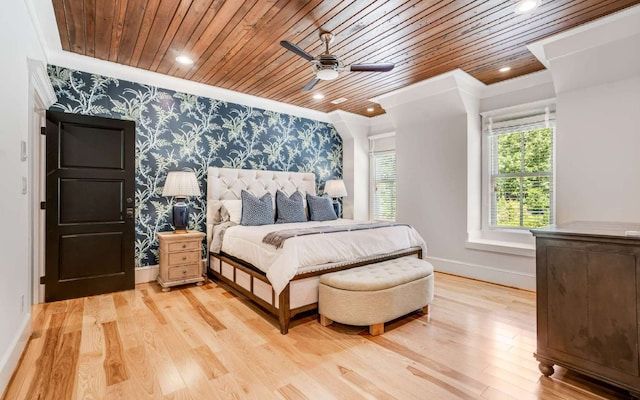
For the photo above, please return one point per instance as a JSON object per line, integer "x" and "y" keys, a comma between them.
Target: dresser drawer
{"x": 188, "y": 257}
{"x": 183, "y": 246}
{"x": 184, "y": 272}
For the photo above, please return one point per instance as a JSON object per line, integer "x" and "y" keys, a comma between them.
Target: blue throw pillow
{"x": 290, "y": 209}
{"x": 256, "y": 211}
{"x": 320, "y": 208}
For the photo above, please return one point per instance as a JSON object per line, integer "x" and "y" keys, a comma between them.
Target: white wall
{"x": 598, "y": 153}
{"x": 355, "y": 162}
{"x": 596, "y": 75}
{"x": 18, "y": 42}
{"x": 433, "y": 122}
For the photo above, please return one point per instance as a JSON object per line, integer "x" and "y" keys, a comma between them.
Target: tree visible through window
{"x": 383, "y": 179}
{"x": 521, "y": 175}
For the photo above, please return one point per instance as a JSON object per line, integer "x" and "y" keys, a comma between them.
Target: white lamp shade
{"x": 181, "y": 184}
{"x": 335, "y": 188}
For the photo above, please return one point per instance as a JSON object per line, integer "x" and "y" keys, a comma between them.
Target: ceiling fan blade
{"x": 372, "y": 67}
{"x": 310, "y": 85}
{"x": 295, "y": 49}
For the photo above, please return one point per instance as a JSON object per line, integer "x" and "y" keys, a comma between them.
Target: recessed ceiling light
{"x": 526, "y": 6}
{"x": 505, "y": 69}
{"x": 338, "y": 101}
{"x": 370, "y": 109}
{"x": 184, "y": 60}
{"x": 318, "y": 96}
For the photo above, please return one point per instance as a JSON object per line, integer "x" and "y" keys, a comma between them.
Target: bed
{"x": 284, "y": 280}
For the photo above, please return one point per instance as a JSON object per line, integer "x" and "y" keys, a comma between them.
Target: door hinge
{"x": 42, "y": 280}
{"x": 43, "y": 205}
{"x": 43, "y": 130}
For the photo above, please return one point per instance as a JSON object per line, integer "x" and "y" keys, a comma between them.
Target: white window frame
{"x": 372, "y": 177}
{"x": 487, "y": 206}
{"x": 518, "y": 241}
{"x": 373, "y": 181}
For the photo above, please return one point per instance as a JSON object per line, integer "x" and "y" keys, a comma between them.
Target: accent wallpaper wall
{"x": 178, "y": 130}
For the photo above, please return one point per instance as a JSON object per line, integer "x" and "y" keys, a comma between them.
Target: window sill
{"x": 502, "y": 246}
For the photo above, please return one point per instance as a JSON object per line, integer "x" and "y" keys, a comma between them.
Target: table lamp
{"x": 336, "y": 189}
{"x": 181, "y": 184}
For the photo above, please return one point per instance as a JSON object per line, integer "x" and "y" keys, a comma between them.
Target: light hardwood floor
{"x": 206, "y": 343}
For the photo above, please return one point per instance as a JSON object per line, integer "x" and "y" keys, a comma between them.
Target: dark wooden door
{"x": 89, "y": 206}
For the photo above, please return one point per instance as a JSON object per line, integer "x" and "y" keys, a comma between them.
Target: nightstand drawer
{"x": 188, "y": 257}
{"x": 184, "y": 271}
{"x": 184, "y": 246}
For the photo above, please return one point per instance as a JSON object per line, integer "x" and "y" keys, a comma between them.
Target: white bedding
{"x": 281, "y": 265}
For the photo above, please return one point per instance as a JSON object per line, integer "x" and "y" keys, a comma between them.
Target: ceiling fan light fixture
{"x": 327, "y": 66}
{"x": 327, "y": 74}
{"x": 526, "y": 6}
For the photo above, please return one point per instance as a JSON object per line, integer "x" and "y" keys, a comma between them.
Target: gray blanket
{"x": 278, "y": 238}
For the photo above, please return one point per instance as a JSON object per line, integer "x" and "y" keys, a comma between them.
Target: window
{"x": 520, "y": 170}
{"x": 383, "y": 185}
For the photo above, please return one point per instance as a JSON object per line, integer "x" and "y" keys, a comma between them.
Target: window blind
{"x": 383, "y": 184}
{"x": 521, "y": 170}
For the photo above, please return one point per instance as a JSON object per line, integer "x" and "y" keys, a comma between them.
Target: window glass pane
{"x": 386, "y": 194}
{"x": 507, "y": 201}
{"x": 383, "y": 197}
{"x": 510, "y": 153}
{"x": 536, "y": 202}
{"x": 519, "y": 156}
{"x": 537, "y": 150}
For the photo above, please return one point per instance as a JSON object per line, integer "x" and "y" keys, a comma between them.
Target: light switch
{"x": 23, "y": 150}
{"x": 24, "y": 185}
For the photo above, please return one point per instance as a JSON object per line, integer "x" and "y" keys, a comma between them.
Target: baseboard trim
{"x": 147, "y": 274}
{"x": 500, "y": 276}
{"x": 11, "y": 358}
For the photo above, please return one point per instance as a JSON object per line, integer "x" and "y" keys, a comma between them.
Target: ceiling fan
{"x": 328, "y": 66}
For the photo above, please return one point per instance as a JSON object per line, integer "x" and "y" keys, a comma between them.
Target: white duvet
{"x": 281, "y": 265}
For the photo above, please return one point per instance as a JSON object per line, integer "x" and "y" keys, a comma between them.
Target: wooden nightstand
{"x": 180, "y": 259}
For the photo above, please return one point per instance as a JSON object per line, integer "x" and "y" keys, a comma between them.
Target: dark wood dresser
{"x": 588, "y": 286}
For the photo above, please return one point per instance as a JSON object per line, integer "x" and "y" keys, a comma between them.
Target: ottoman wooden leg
{"x": 324, "y": 321}
{"x": 425, "y": 309}
{"x": 376, "y": 329}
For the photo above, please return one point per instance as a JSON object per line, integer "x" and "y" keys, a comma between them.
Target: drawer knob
{"x": 184, "y": 258}
{"x": 184, "y": 245}
{"x": 184, "y": 272}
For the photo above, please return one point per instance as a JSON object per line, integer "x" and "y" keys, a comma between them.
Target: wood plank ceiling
{"x": 235, "y": 44}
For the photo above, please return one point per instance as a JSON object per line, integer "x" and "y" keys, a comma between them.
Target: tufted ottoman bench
{"x": 376, "y": 293}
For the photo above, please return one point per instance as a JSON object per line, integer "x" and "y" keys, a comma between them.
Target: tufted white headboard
{"x": 227, "y": 183}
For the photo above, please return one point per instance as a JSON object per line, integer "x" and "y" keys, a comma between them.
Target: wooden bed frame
{"x": 301, "y": 294}
{"x": 245, "y": 279}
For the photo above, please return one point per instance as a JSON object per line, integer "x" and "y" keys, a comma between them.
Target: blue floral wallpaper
{"x": 179, "y": 130}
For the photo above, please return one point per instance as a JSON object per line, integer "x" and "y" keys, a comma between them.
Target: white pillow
{"x": 231, "y": 210}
